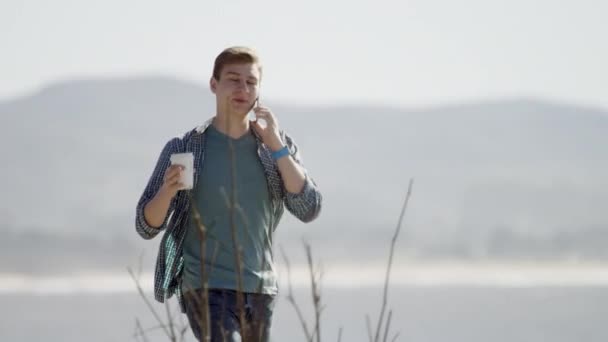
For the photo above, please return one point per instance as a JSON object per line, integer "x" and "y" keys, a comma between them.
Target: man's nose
{"x": 244, "y": 85}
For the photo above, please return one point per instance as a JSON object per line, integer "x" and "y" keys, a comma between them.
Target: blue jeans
{"x": 224, "y": 315}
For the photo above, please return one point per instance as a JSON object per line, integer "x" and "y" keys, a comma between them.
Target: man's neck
{"x": 230, "y": 125}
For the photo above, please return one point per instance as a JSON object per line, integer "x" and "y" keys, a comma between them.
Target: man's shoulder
{"x": 188, "y": 134}
{"x": 185, "y": 137}
{"x": 178, "y": 142}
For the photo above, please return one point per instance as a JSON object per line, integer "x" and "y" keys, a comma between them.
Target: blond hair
{"x": 235, "y": 55}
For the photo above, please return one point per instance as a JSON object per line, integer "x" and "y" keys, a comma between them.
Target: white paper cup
{"x": 187, "y": 161}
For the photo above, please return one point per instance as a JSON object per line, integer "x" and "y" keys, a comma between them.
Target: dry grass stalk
{"x": 166, "y": 327}
{"x": 203, "y": 302}
{"x": 292, "y": 300}
{"x": 390, "y": 262}
{"x": 387, "y": 326}
{"x": 368, "y": 324}
{"x": 315, "y": 278}
{"x": 139, "y": 331}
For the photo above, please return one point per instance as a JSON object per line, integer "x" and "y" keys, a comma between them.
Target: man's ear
{"x": 213, "y": 84}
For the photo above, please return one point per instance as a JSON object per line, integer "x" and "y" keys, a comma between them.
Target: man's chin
{"x": 239, "y": 111}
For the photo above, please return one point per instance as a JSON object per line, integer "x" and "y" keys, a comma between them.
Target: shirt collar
{"x": 202, "y": 128}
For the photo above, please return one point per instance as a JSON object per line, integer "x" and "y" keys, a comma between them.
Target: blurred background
{"x": 498, "y": 110}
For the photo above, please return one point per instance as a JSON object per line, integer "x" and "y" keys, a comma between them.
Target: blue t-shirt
{"x": 252, "y": 219}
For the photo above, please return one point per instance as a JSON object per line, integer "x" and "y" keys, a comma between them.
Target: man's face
{"x": 237, "y": 88}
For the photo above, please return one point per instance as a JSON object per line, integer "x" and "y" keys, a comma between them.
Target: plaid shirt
{"x": 305, "y": 205}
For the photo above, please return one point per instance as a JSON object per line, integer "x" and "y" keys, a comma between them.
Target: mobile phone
{"x": 251, "y": 113}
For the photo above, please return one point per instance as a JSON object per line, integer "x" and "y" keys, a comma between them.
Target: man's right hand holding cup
{"x": 172, "y": 181}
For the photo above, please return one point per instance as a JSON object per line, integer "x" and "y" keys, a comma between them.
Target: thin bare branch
{"x": 139, "y": 331}
{"x": 340, "y": 335}
{"x": 368, "y": 324}
{"x": 182, "y": 332}
{"x": 150, "y": 307}
{"x": 388, "y": 325}
{"x": 183, "y": 328}
{"x": 143, "y": 331}
{"x": 395, "y": 337}
{"x": 291, "y": 299}
{"x": 316, "y": 296}
{"x": 203, "y": 303}
{"x": 173, "y": 337}
{"x": 390, "y": 260}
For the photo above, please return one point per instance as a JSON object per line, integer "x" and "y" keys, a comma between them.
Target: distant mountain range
{"x": 512, "y": 178}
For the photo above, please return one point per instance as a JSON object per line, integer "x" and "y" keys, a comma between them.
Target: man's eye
{"x": 234, "y": 80}
{"x": 252, "y": 83}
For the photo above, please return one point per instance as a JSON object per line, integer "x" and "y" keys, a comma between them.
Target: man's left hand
{"x": 270, "y": 133}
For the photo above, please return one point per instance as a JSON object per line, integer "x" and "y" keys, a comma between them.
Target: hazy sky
{"x": 404, "y": 53}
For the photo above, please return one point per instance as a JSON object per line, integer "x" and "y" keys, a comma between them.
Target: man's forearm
{"x": 156, "y": 210}
{"x": 291, "y": 172}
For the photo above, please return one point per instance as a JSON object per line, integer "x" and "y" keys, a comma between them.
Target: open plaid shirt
{"x": 305, "y": 205}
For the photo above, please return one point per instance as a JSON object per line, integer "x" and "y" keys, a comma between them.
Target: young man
{"x": 218, "y": 235}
